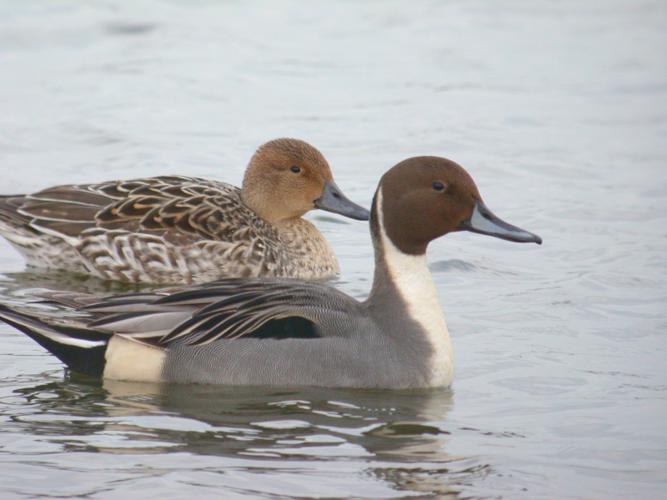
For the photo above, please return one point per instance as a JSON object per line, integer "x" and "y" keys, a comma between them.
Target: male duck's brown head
{"x": 287, "y": 177}
{"x": 426, "y": 197}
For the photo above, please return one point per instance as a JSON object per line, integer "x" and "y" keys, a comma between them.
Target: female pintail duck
{"x": 183, "y": 229}
{"x": 291, "y": 332}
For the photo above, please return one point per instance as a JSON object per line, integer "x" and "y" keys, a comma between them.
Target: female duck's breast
{"x": 304, "y": 252}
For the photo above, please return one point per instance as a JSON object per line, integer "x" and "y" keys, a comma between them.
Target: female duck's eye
{"x": 295, "y": 169}
{"x": 438, "y": 186}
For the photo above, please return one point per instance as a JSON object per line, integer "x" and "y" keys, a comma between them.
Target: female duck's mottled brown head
{"x": 426, "y": 197}
{"x": 287, "y": 177}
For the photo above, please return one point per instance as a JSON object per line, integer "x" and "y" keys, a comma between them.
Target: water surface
{"x": 558, "y": 109}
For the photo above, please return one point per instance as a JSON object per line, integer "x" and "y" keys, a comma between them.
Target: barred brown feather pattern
{"x": 169, "y": 229}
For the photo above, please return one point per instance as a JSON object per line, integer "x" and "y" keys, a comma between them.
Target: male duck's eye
{"x": 438, "y": 186}
{"x": 295, "y": 169}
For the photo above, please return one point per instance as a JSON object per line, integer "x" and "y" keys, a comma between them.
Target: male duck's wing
{"x": 227, "y": 310}
{"x": 170, "y": 206}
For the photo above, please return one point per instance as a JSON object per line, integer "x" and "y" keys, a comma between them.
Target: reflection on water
{"x": 395, "y": 436}
{"x": 25, "y": 283}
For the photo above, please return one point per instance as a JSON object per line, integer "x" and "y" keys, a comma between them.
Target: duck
{"x": 290, "y": 332}
{"x": 183, "y": 230}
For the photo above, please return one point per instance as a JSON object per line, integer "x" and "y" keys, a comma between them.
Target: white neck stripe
{"x": 414, "y": 284}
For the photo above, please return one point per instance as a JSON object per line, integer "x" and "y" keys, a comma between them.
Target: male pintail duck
{"x": 182, "y": 229}
{"x": 291, "y": 332}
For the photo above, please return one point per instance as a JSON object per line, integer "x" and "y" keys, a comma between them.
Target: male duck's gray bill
{"x": 483, "y": 221}
{"x": 333, "y": 200}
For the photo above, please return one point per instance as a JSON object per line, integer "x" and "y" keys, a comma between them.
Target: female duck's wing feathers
{"x": 226, "y": 310}
{"x": 165, "y": 206}
{"x": 162, "y": 229}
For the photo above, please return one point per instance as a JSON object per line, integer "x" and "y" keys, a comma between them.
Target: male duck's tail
{"x": 80, "y": 349}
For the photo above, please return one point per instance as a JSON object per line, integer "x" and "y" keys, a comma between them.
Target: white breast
{"x": 413, "y": 280}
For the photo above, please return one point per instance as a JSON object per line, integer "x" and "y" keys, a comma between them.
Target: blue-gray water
{"x": 558, "y": 109}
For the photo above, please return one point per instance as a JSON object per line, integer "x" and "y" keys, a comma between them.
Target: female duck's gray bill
{"x": 333, "y": 200}
{"x": 483, "y": 221}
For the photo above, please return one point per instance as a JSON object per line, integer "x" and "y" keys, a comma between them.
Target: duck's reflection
{"x": 398, "y": 437}
{"x": 286, "y": 423}
{"x": 15, "y": 286}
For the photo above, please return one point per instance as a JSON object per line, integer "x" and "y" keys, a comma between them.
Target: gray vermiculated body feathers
{"x": 262, "y": 332}
{"x": 277, "y": 332}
